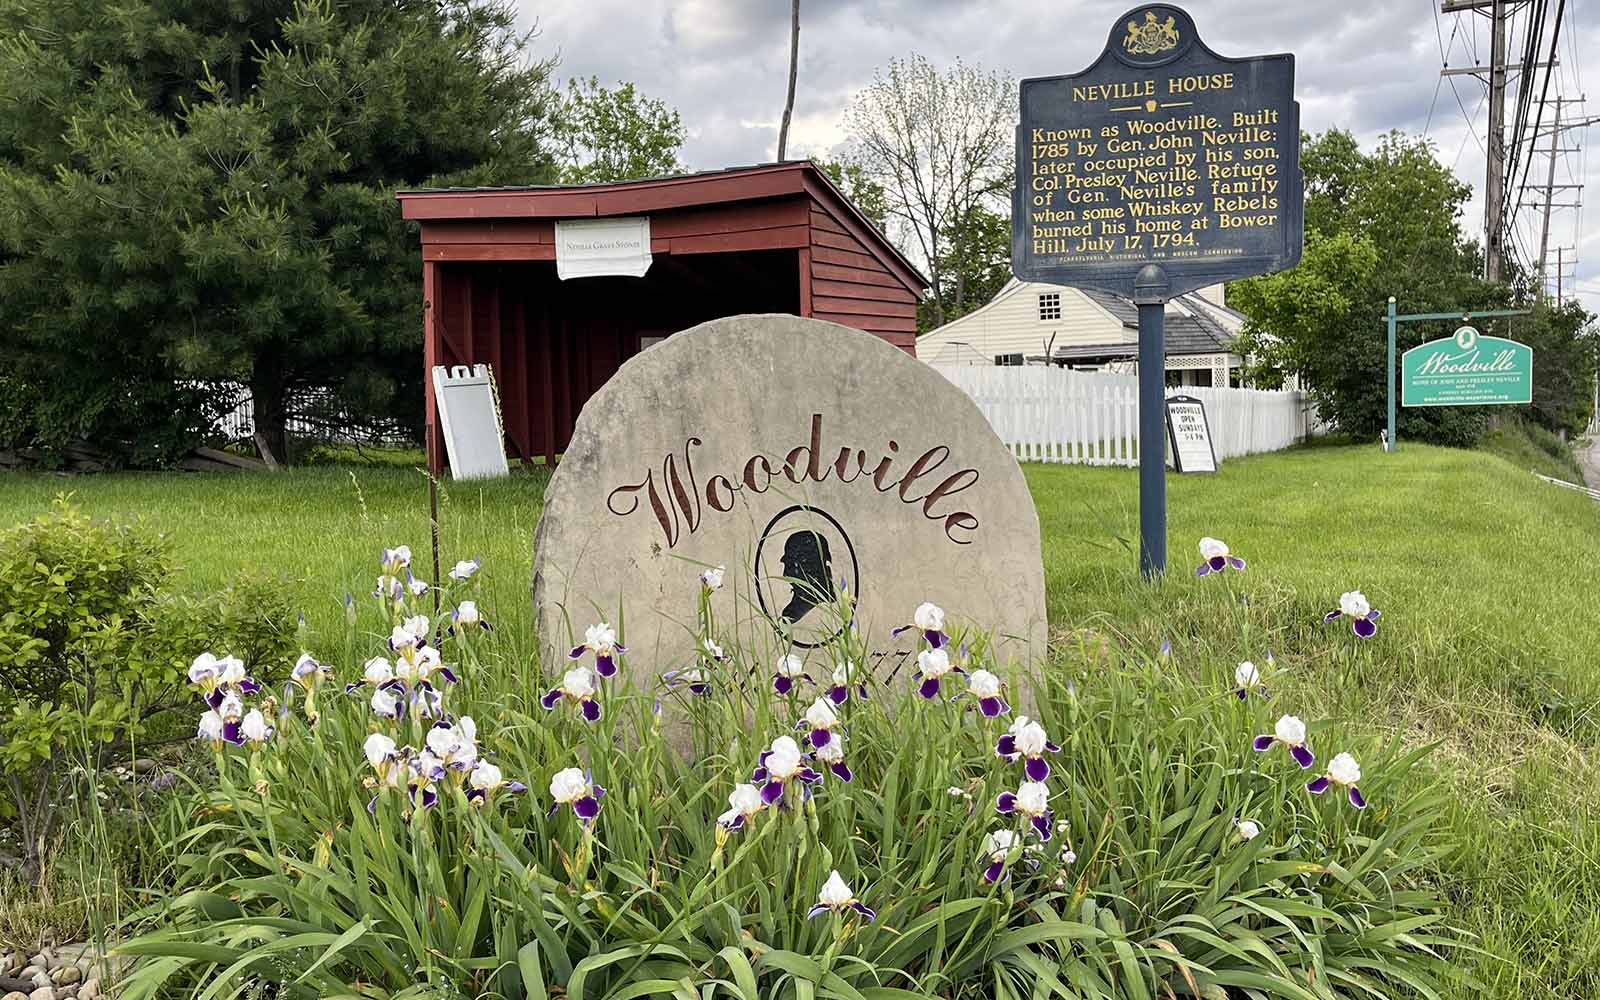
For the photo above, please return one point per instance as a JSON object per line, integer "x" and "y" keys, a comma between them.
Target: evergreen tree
{"x": 194, "y": 191}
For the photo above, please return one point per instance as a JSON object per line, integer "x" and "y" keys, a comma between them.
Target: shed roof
{"x": 651, "y": 194}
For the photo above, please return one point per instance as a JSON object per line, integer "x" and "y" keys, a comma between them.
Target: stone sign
{"x": 1162, "y": 152}
{"x": 803, "y": 456}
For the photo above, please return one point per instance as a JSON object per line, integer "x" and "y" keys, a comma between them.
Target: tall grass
{"x": 287, "y": 882}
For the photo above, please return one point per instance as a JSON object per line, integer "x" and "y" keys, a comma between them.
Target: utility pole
{"x": 1495, "y": 183}
{"x": 1549, "y": 191}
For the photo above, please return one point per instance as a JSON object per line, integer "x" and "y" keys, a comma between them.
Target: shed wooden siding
{"x": 1011, "y": 325}
{"x": 852, "y": 286}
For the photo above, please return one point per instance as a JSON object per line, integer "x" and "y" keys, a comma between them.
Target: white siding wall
{"x": 1011, "y": 325}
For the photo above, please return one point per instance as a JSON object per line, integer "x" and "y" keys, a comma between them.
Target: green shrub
{"x": 93, "y": 651}
{"x": 306, "y": 869}
{"x": 73, "y": 602}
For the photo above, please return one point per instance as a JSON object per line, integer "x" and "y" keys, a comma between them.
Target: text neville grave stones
{"x": 1160, "y": 169}
{"x": 805, "y": 457}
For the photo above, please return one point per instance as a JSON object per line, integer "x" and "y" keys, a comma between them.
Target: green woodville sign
{"x": 1467, "y": 369}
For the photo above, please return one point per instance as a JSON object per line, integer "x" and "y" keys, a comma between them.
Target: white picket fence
{"x": 1087, "y": 418}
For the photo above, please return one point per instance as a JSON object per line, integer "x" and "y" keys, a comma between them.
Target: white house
{"x": 1033, "y": 323}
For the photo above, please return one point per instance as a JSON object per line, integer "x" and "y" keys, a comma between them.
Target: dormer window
{"x": 1049, "y": 306}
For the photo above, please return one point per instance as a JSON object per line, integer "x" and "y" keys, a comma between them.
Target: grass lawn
{"x": 1489, "y": 648}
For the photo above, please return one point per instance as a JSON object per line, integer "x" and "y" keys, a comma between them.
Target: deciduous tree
{"x": 941, "y": 145}
{"x": 617, "y": 134}
{"x": 1379, "y": 223}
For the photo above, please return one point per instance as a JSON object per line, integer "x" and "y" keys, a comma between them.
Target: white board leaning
{"x": 1190, "y": 435}
{"x": 470, "y": 417}
{"x": 587, "y": 248}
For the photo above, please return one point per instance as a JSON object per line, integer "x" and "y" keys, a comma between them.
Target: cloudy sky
{"x": 1365, "y": 65}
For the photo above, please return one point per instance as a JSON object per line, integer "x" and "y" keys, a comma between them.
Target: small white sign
{"x": 587, "y": 248}
{"x": 469, "y": 415}
{"x": 1190, "y": 435}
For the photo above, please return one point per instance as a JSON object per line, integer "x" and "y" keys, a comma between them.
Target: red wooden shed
{"x": 774, "y": 238}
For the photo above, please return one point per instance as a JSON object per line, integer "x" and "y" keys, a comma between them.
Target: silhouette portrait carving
{"x": 808, "y": 566}
{"x": 808, "y": 549}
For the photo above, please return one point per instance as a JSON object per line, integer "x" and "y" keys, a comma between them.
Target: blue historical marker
{"x": 1160, "y": 169}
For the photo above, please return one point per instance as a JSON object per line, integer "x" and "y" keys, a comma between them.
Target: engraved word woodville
{"x": 804, "y": 457}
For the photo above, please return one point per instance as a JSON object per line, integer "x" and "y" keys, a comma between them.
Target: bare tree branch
{"x": 940, "y": 144}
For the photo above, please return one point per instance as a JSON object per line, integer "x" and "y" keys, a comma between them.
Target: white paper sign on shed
{"x": 588, "y": 248}
{"x": 469, "y": 414}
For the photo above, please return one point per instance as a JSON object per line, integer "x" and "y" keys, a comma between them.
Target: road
{"x": 1589, "y": 461}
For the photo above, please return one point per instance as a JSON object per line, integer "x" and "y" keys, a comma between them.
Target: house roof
{"x": 651, "y": 194}
{"x": 1191, "y": 326}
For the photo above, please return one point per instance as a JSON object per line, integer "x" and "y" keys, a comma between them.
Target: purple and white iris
{"x": 789, "y": 669}
{"x": 711, "y": 579}
{"x": 216, "y": 730}
{"x": 985, "y": 687}
{"x": 929, "y": 620}
{"x": 572, "y": 787}
{"x": 466, "y": 615}
{"x": 216, "y": 676}
{"x": 778, "y": 766}
{"x": 696, "y": 680}
{"x": 413, "y": 682}
{"x": 424, "y": 770}
{"x": 1028, "y": 740}
{"x": 391, "y": 763}
{"x": 832, "y": 754}
{"x": 389, "y": 588}
{"x": 821, "y": 720}
{"x": 577, "y": 686}
{"x": 485, "y": 780}
{"x": 381, "y": 753}
{"x": 998, "y": 847}
{"x": 253, "y": 728}
{"x": 1344, "y": 772}
{"x": 933, "y": 665}
{"x": 1247, "y": 829}
{"x": 601, "y": 640}
{"x": 416, "y": 587}
{"x": 744, "y": 802}
{"x": 836, "y": 897}
{"x": 1247, "y": 676}
{"x": 411, "y": 634}
{"x": 308, "y": 673}
{"x": 845, "y": 677}
{"x": 455, "y": 744}
{"x": 1290, "y": 732}
{"x": 465, "y": 569}
{"x": 1216, "y": 558}
{"x": 1363, "y": 616}
{"x": 1032, "y": 800}
{"x": 396, "y": 559}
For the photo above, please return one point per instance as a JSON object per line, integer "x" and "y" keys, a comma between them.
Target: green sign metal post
{"x": 1393, "y": 320}
{"x": 1391, "y": 442}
